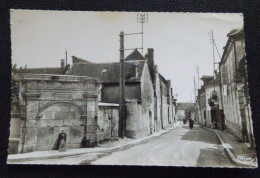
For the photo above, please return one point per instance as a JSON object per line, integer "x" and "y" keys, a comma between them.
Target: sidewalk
{"x": 108, "y": 146}
{"x": 238, "y": 152}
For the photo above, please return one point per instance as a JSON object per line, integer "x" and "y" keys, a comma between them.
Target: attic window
{"x": 103, "y": 70}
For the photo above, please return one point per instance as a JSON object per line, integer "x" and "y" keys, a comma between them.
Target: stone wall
{"x": 14, "y": 136}
{"x": 54, "y": 104}
{"x": 158, "y": 120}
{"x": 140, "y": 115}
{"x": 165, "y": 117}
{"x": 137, "y": 122}
{"x": 232, "y": 90}
{"x": 108, "y": 121}
{"x": 233, "y": 119}
{"x": 147, "y": 95}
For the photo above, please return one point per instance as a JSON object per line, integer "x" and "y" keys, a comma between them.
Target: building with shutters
{"x": 234, "y": 87}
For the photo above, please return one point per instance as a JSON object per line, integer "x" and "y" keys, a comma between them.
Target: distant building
{"x": 214, "y": 112}
{"x": 182, "y": 107}
{"x": 201, "y": 106}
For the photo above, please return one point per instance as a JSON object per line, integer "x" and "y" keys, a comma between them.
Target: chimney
{"x": 136, "y": 71}
{"x": 150, "y": 52}
{"x": 151, "y": 62}
{"x": 169, "y": 87}
{"x": 62, "y": 63}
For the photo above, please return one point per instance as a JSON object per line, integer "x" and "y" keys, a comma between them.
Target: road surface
{"x": 179, "y": 147}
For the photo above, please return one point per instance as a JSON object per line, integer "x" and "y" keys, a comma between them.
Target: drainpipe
{"x": 221, "y": 96}
{"x": 235, "y": 54}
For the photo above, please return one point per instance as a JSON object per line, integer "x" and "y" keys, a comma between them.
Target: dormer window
{"x": 104, "y": 70}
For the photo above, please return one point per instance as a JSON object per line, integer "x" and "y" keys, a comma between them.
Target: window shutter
{"x": 224, "y": 75}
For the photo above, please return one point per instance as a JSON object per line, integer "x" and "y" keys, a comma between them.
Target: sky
{"x": 180, "y": 40}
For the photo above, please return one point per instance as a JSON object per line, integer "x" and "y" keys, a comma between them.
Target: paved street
{"x": 179, "y": 147}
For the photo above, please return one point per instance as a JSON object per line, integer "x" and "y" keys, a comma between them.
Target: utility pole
{"x": 122, "y": 88}
{"x": 142, "y": 18}
{"x": 213, "y": 53}
{"x": 66, "y": 57}
{"x": 194, "y": 89}
{"x": 198, "y": 100}
{"x": 198, "y": 72}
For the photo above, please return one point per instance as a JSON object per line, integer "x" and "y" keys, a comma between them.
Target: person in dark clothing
{"x": 60, "y": 143}
{"x": 191, "y": 122}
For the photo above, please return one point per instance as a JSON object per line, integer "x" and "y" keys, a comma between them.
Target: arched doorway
{"x": 55, "y": 118}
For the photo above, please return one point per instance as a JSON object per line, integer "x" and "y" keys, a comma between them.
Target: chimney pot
{"x": 62, "y": 63}
{"x": 150, "y": 52}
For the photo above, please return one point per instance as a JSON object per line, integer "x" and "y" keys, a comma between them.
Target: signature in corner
{"x": 243, "y": 158}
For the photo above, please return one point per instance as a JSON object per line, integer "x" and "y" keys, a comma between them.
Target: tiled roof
{"x": 78, "y": 60}
{"x": 214, "y": 80}
{"x": 206, "y": 77}
{"x": 47, "y": 70}
{"x": 109, "y": 72}
{"x": 236, "y": 32}
{"x": 135, "y": 55}
{"x": 163, "y": 79}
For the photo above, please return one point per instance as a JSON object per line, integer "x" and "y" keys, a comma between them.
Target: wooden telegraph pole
{"x": 122, "y": 88}
{"x": 66, "y": 57}
{"x": 141, "y": 18}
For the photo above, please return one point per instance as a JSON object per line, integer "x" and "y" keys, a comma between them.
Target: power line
{"x": 217, "y": 49}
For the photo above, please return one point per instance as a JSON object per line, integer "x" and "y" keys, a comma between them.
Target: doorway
{"x": 150, "y": 121}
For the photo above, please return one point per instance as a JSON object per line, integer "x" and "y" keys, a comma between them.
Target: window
{"x": 224, "y": 74}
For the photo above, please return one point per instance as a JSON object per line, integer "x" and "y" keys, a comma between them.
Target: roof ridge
{"x": 98, "y": 63}
{"x": 44, "y": 68}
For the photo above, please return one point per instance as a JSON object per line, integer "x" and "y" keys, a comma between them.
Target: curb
{"x": 231, "y": 155}
{"x": 127, "y": 145}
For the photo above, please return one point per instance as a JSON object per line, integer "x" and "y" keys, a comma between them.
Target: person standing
{"x": 62, "y": 141}
{"x": 191, "y": 122}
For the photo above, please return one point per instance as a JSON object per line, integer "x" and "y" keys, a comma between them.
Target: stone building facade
{"x": 164, "y": 102}
{"x": 149, "y": 101}
{"x": 230, "y": 101}
{"x": 108, "y": 121}
{"x": 83, "y": 102}
{"x": 213, "y": 104}
{"x": 51, "y": 104}
{"x": 201, "y": 106}
{"x": 233, "y": 86}
{"x": 138, "y": 90}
